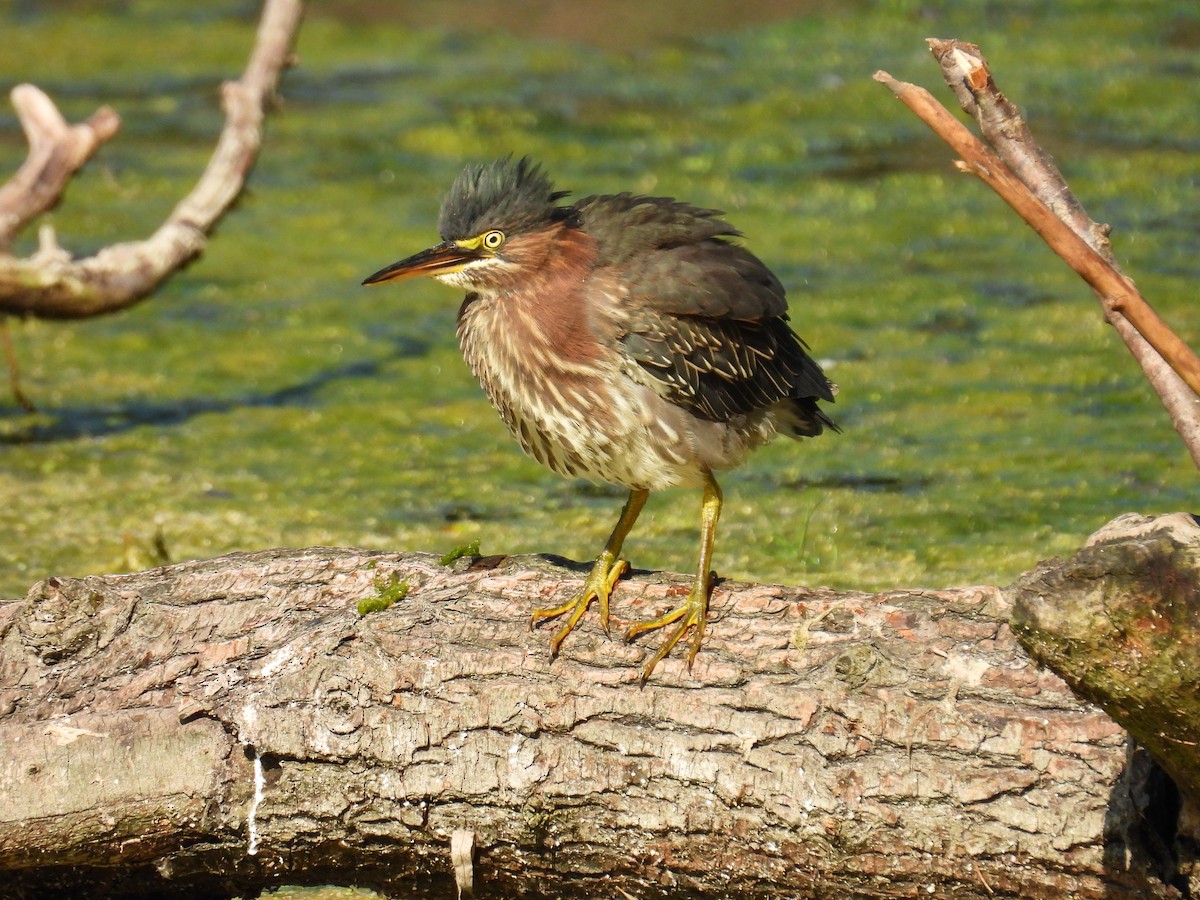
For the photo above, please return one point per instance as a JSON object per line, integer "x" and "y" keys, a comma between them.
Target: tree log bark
{"x": 216, "y": 727}
{"x": 1120, "y": 621}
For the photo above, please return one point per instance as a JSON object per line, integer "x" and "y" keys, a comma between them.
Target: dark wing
{"x": 706, "y": 320}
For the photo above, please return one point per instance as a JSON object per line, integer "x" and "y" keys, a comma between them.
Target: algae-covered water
{"x": 263, "y": 398}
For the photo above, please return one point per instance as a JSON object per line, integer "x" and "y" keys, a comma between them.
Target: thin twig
{"x": 14, "y": 370}
{"x": 1116, "y": 292}
{"x": 966, "y": 71}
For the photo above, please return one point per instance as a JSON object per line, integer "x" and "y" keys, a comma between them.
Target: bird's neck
{"x": 547, "y": 313}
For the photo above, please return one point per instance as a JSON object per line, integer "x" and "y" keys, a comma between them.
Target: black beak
{"x": 443, "y": 259}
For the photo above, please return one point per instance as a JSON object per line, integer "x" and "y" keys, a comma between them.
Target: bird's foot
{"x": 598, "y": 586}
{"x": 691, "y": 615}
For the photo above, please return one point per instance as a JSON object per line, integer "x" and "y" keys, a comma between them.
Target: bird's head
{"x": 498, "y": 224}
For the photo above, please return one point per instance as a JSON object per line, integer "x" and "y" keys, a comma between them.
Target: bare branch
{"x": 1053, "y": 212}
{"x": 967, "y": 73}
{"x": 57, "y": 150}
{"x": 52, "y": 287}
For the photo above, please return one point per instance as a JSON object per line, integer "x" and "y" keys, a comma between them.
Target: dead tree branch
{"x": 51, "y": 285}
{"x": 1023, "y": 174}
{"x": 217, "y": 727}
{"x": 57, "y": 150}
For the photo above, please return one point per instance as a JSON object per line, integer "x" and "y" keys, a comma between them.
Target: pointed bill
{"x": 444, "y": 259}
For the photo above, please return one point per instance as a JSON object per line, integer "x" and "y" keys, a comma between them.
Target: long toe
{"x": 598, "y": 586}
{"x": 691, "y": 615}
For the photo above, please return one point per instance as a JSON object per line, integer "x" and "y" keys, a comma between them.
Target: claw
{"x": 694, "y": 615}
{"x": 694, "y": 611}
{"x": 598, "y": 586}
{"x": 608, "y": 569}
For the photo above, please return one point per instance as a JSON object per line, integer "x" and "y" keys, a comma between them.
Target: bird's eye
{"x": 492, "y": 240}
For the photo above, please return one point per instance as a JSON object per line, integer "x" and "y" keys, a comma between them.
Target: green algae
{"x": 263, "y": 398}
{"x": 388, "y": 592}
{"x": 470, "y": 549}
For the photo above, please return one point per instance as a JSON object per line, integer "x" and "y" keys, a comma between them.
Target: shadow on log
{"x": 218, "y": 727}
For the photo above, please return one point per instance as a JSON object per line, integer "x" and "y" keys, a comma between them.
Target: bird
{"x": 626, "y": 339}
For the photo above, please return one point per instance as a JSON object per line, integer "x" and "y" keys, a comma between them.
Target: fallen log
{"x": 218, "y": 727}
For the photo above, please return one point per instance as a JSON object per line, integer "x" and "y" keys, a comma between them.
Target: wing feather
{"x": 705, "y": 321}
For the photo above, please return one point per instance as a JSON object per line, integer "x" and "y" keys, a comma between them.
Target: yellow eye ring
{"x": 492, "y": 240}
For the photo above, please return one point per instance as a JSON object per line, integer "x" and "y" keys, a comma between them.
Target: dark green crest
{"x": 513, "y": 196}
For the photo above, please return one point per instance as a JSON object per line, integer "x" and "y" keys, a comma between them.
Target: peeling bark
{"x": 215, "y": 727}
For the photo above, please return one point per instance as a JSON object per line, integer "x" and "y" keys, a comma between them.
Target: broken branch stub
{"x": 57, "y": 150}
{"x": 1120, "y": 622}
{"x": 966, "y": 72}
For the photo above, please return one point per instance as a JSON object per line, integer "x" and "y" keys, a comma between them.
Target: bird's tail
{"x": 800, "y": 417}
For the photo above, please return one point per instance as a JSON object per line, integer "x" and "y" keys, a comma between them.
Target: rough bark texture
{"x": 219, "y": 726}
{"x": 1120, "y": 621}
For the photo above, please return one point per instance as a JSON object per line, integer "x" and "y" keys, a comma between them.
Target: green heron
{"x": 623, "y": 339}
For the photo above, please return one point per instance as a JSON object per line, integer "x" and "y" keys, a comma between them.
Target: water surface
{"x": 263, "y": 398}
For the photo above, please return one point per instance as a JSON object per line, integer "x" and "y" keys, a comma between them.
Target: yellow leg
{"x": 694, "y": 611}
{"x": 609, "y": 567}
